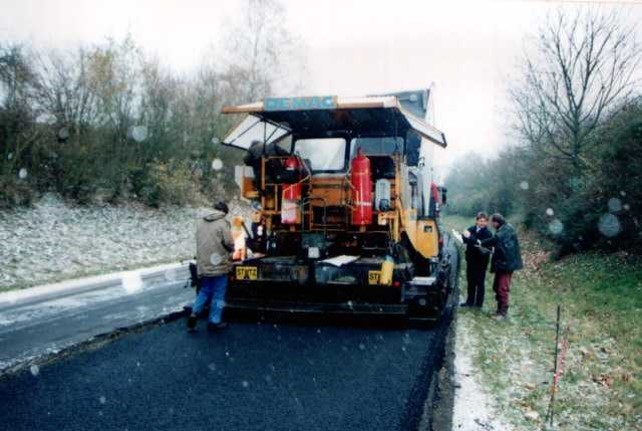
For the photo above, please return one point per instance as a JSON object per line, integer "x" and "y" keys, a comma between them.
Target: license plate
{"x": 373, "y": 277}
{"x": 247, "y": 272}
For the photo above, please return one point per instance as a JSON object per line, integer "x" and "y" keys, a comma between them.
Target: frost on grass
{"x": 469, "y": 391}
{"x": 513, "y": 360}
{"x": 54, "y": 241}
{"x": 510, "y": 374}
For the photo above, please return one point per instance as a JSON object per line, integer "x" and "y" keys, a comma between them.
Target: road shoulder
{"x": 473, "y": 408}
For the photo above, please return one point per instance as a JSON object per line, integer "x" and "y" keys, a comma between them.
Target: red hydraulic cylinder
{"x": 291, "y": 195}
{"x": 292, "y": 192}
{"x": 361, "y": 181}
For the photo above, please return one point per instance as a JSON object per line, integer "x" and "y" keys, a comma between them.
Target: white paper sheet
{"x": 341, "y": 260}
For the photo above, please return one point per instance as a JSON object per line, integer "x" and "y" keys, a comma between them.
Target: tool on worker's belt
{"x": 194, "y": 281}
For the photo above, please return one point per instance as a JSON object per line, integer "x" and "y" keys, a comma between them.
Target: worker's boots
{"x": 216, "y": 326}
{"x": 191, "y": 322}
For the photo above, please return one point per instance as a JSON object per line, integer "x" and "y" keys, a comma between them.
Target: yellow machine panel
{"x": 423, "y": 234}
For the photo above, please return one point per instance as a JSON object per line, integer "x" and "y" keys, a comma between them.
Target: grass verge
{"x": 601, "y": 299}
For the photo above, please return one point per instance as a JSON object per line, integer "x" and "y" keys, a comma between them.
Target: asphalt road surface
{"x": 251, "y": 376}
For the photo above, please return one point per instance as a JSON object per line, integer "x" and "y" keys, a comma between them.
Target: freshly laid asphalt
{"x": 251, "y": 376}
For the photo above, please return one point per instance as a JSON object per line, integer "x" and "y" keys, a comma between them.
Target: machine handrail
{"x": 307, "y": 200}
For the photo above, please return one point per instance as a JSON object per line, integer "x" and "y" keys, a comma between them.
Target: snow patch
{"x": 473, "y": 406}
{"x": 55, "y": 240}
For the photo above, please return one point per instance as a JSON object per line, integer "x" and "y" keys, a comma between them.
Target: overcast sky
{"x": 468, "y": 49}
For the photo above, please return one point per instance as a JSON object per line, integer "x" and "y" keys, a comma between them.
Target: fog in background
{"x": 467, "y": 49}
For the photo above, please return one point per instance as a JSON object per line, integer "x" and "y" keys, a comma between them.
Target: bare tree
{"x": 158, "y": 109}
{"x": 262, "y": 51}
{"x": 584, "y": 66}
{"x": 64, "y": 92}
{"x": 114, "y": 75}
{"x": 18, "y": 134}
{"x": 16, "y": 73}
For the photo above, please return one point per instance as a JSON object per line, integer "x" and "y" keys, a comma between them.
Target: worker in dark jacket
{"x": 213, "y": 247}
{"x": 476, "y": 260}
{"x": 506, "y": 260}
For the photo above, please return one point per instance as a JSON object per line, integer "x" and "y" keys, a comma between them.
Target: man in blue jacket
{"x": 476, "y": 261}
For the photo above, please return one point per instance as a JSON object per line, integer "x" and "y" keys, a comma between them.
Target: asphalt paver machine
{"x": 346, "y": 210}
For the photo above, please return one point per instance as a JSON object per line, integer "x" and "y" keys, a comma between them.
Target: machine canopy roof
{"x": 319, "y": 116}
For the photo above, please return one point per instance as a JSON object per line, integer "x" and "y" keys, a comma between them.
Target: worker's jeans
{"x": 212, "y": 291}
{"x": 501, "y": 286}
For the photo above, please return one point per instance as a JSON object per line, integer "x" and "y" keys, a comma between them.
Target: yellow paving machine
{"x": 346, "y": 210}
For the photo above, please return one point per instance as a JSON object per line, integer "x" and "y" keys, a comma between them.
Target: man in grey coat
{"x": 214, "y": 244}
